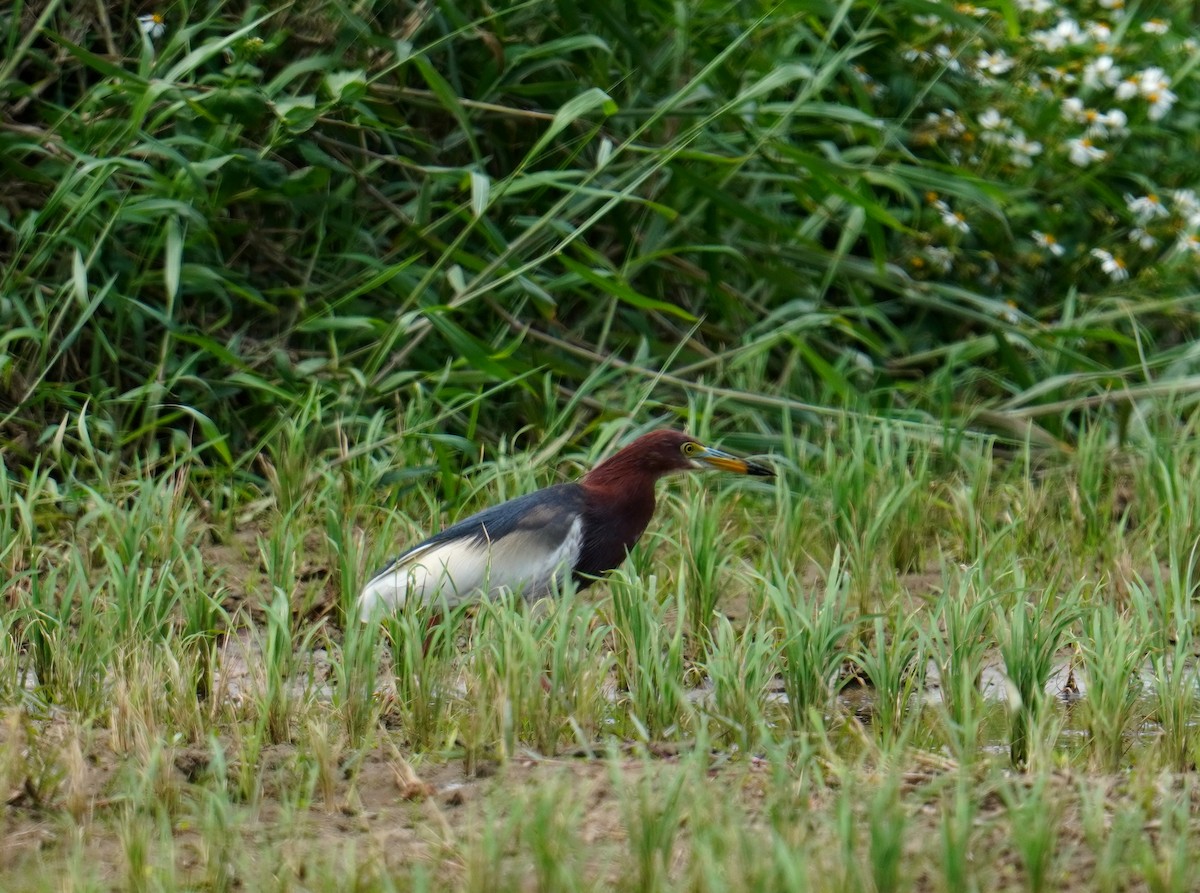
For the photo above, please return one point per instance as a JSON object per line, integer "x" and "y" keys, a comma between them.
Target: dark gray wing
{"x": 522, "y": 545}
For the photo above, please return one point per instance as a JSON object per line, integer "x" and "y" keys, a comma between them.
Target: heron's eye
{"x": 689, "y": 449}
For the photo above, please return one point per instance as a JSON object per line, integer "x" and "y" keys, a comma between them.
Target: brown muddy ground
{"x": 392, "y": 818}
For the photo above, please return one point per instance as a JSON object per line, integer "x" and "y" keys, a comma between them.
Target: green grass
{"x": 194, "y": 723}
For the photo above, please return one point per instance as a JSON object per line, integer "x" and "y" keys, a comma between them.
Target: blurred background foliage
{"x": 512, "y": 212}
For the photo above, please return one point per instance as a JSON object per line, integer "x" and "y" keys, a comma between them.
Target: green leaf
{"x": 298, "y": 113}
{"x": 203, "y": 167}
{"x": 297, "y": 71}
{"x": 346, "y": 86}
{"x": 213, "y": 436}
{"x": 449, "y": 100}
{"x": 623, "y": 292}
{"x": 243, "y": 104}
{"x": 97, "y": 63}
{"x": 481, "y": 190}
{"x": 780, "y": 76}
{"x": 833, "y": 379}
{"x": 79, "y": 282}
{"x": 464, "y": 345}
{"x": 338, "y": 324}
{"x": 172, "y": 259}
{"x": 570, "y": 112}
{"x": 210, "y": 48}
{"x": 556, "y": 48}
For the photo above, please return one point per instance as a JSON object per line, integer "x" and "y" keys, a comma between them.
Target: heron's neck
{"x": 622, "y": 473}
{"x": 622, "y": 503}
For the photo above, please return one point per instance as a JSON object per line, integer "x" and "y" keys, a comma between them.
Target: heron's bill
{"x": 726, "y": 462}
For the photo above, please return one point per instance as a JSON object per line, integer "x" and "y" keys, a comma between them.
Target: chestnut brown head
{"x": 663, "y": 452}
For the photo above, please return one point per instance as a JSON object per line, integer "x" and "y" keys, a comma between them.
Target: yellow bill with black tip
{"x": 723, "y": 461}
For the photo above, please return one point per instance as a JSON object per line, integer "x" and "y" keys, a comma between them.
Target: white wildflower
{"x": 1160, "y": 104}
{"x": 993, "y": 120}
{"x": 1101, "y": 72}
{"x": 1186, "y": 202}
{"x": 1152, "y": 80}
{"x": 996, "y": 63}
{"x": 1110, "y": 123}
{"x": 1073, "y": 109}
{"x": 1048, "y": 242}
{"x": 1099, "y": 124}
{"x": 1058, "y": 75}
{"x": 870, "y": 86}
{"x": 941, "y": 258}
{"x": 1082, "y": 153}
{"x": 1155, "y": 88}
{"x": 1023, "y": 149}
{"x": 1127, "y": 88}
{"x": 951, "y": 218}
{"x": 994, "y": 125}
{"x": 1113, "y": 266}
{"x": 1037, "y": 7}
{"x": 1156, "y": 26}
{"x": 1145, "y": 208}
{"x": 153, "y": 25}
{"x": 947, "y": 57}
{"x": 951, "y": 122}
{"x": 1066, "y": 32}
{"x": 1189, "y": 243}
{"x": 1142, "y": 239}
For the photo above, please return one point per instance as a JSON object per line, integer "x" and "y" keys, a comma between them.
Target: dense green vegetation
{"x": 814, "y": 203}
{"x": 283, "y": 288}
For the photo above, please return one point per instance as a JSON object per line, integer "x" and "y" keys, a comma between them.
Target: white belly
{"x": 461, "y": 570}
